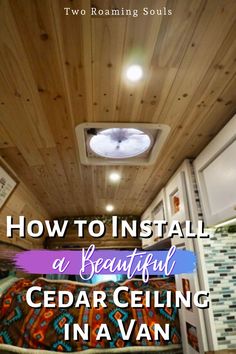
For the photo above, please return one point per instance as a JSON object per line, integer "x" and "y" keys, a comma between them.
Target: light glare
{"x": 134, "y": 73}
{"x": 114, "y": 176}
{"x": 109, "y": 208}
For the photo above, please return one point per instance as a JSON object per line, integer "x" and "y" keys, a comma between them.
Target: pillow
{"x": 6, "y": 283}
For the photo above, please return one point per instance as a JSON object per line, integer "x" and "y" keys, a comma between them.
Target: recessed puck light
{"x": 109, "y": 208}
{"x": 134, "y": 73}
{"x": 114, "y": 177}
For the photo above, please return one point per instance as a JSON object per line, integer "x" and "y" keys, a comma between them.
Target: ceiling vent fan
{"x": 120, "y": 143}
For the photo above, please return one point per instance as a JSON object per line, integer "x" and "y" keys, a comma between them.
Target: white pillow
{"x": 6, "y": 283}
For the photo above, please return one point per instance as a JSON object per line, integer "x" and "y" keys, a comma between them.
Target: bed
{"x": 41, "y": 330}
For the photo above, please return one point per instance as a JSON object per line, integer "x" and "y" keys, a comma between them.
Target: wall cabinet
{"x": 215, "y": 170}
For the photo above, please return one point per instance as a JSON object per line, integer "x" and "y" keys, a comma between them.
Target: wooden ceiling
{"x": 57, "y": 71}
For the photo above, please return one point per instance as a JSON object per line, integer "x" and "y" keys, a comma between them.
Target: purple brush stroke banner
{"x": 88, "y": 262}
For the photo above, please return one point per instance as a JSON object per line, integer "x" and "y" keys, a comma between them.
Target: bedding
{"x": 6, "y": 283}
{"x": 43, "y": 328}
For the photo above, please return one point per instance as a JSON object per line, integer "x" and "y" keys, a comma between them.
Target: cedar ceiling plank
{"x": 74, "y": 174}
{"x": 42, "y": 36}
{"x": 207, "y": 40}
{"x": 5, "y": 140}
{"x": 198, "y": 125}
{"x": 134, "y": 181}
{"x": 204, "y": 132}
{"x": 50, "y": 191}
{"x": 23, "y": 200}
{"x": 88, "y": 190}
{"x": 74, "y": 33}
{"x": 39, "y": 36}
{"x": 211, "y": 82}
{"x": 111, "y": 4}
{"x": 99, "y": 180}
{"x": 14, "y": 158}
{"x": 139, "y": 44}
{"x": 32, "y": 205}
{"x": 218, "y": 76}
{"x": 36, "y": 184}
{"x": 174, "y": 37}
{"x": 217, "y": 116}
{"x": 58, "y": 177}
{"x": 79, "y": 182}
{"x": 107, "y": 52}
{"x": 12, "y": 120}
{"x": 102, "y": 180}
{"x": 17, "y": 80}
{"x": 185, "y": 56}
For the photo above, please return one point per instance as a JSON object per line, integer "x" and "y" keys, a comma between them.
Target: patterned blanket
{"x": 43, "y": 328}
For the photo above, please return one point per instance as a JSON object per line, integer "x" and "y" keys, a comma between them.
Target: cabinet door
{"x": 146, "y": 242}
{"x": 156, "y": 211}
{"x": 191, "y": 331}
{"x": 177, "y": 204}
{"x": 215, "y": 169}
{"x": 159, "y": 213}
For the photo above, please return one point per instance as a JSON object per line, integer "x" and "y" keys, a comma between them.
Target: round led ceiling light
{"x": 109, "y": 208}
{"x": 134, "y": 73}
{"x": 114, "y": 177}
{"x": 120, "y": 143}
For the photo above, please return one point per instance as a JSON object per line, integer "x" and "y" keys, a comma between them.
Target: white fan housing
{"x": 120, "y": 143}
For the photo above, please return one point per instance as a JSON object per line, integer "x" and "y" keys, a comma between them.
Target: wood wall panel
{"x": 22, "y": 202}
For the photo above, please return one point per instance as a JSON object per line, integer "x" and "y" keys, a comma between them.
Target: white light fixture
{"x": 109, "y": 208}
{"x": 114, "y": 177}
{"x": 120, "y": 143}
{"x": 134, "y": 73}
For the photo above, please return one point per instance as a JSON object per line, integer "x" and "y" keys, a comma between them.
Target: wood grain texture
{"x": 21, "y": 202}
{"x": 57, "y": 71}
{"x": 72, "y": 241}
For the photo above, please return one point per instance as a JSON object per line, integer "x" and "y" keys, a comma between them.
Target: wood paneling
{"x": 21, "y": 202}
{"x": 57, "y": 71}
{"x": 72, "y": 241}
